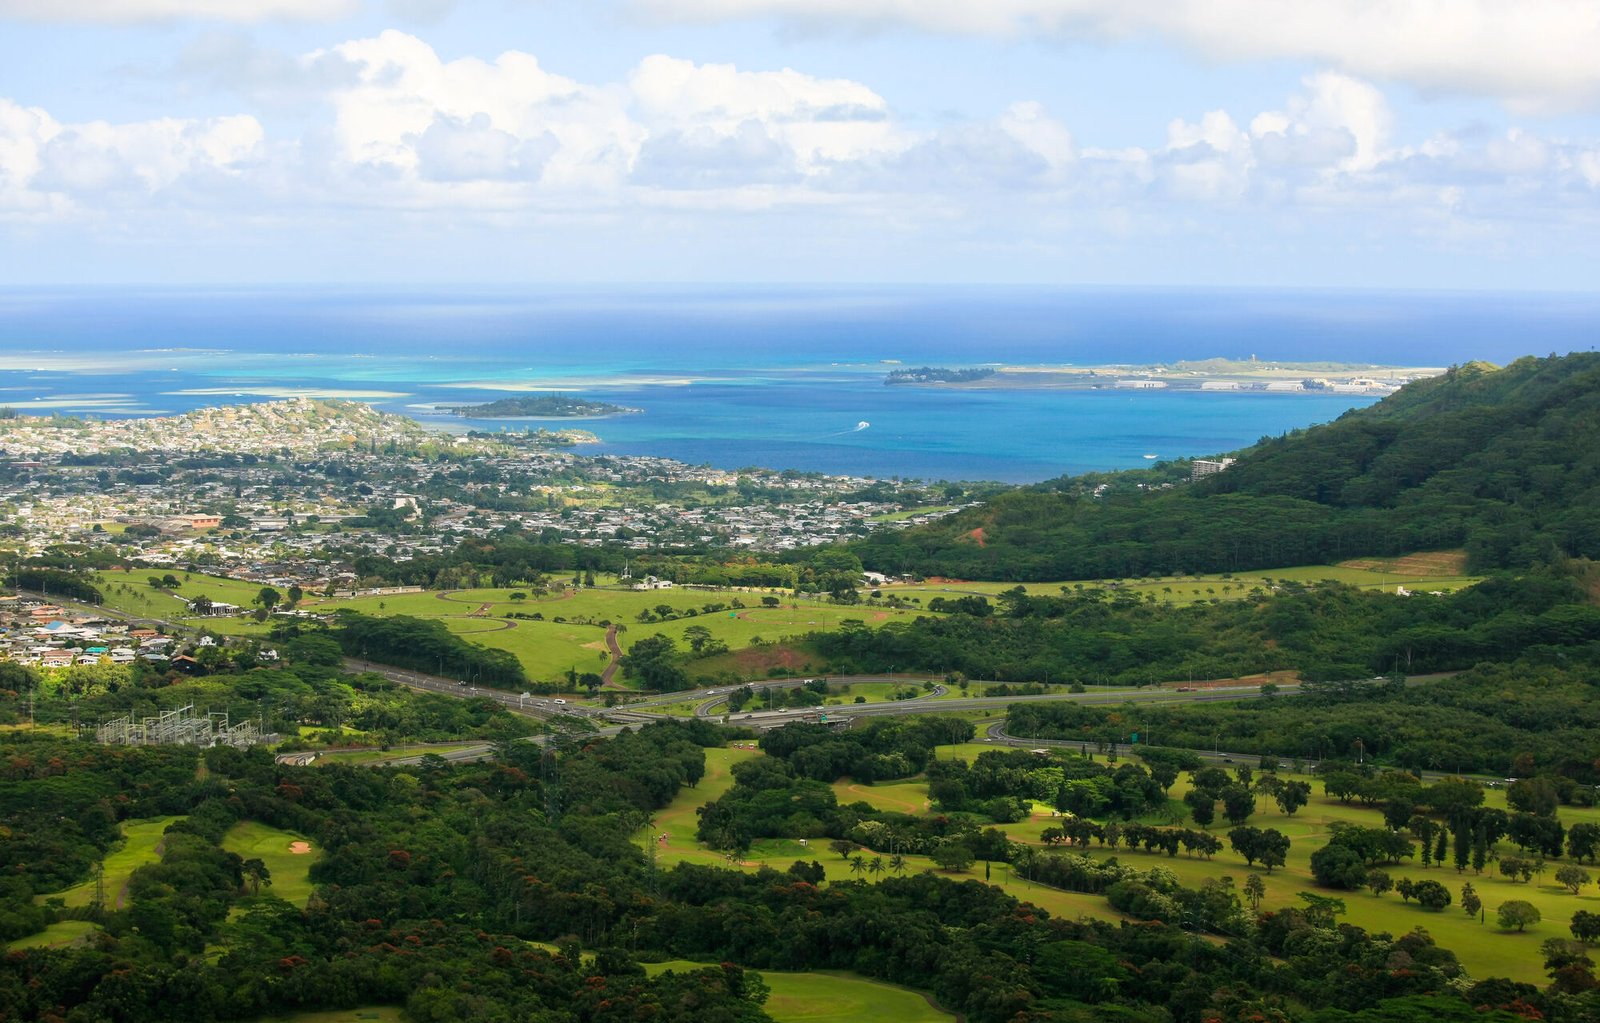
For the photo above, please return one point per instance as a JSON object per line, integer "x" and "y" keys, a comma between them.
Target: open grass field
{"x": 1436, "y": 570}
{"x": 678, "y": 821}
{"x": 911, "y": 513}
{"x": 291, "y": 871}
{"x": 58, "y": 934}
{"x": 1483, "y": 948}
{"x": 141, "y": 844}
{"x": 547, "y": 649}
{"x": 831, "y": 997}
{"x": 130, "y": 591}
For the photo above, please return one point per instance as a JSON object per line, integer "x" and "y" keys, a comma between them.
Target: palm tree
{"x": 858, "y": 863}
{"x": 897, "y": 863}
{"x": 875, "y": 866}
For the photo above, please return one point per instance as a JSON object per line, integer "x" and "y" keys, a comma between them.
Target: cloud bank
{"x": 507, "y": 143}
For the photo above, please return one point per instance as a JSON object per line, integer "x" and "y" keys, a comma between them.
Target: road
{"x": 639, "y": 713}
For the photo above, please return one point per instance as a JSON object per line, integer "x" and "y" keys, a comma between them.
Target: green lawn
{"x": 678, "y": 821}
{"x": 141, "y": 844}
{"x": 830, "y": 997}
{"x": 130, "y": 591}
{"x": 62, "y": 932}
{"x": 911, "y": 513}
{"x": 1189, "y": 589}
{"x": 547, "y": 649}
{"x": 1483, "y": 948}
{"x": 291, "y": 872}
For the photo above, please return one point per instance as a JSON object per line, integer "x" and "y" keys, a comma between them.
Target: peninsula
{"x": 1199, "y": 375}
{"x": 542, "y": 406}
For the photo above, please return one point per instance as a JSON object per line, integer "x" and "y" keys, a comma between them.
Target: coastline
{"x": 1223, "y": 376}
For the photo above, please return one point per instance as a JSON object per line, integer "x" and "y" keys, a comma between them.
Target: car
{"x": 1227, "y": 760}
{"x": 561, "y": 703}
{"x": 461, "y": 685}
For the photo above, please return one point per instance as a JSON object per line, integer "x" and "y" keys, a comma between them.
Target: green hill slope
{"x": 1504, "y": 462}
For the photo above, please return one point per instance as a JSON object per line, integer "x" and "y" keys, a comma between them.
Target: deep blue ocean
{"x": 762, "y": 376}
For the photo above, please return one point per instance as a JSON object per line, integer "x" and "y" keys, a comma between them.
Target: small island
{"x": 938, "y": 375}
{"x": 543, "y": 406}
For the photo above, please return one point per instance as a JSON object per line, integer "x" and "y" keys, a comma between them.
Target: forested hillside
{"x": 1503, "y": 462}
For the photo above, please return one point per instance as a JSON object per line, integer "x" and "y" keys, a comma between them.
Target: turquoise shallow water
{"x": 772, "y": 377}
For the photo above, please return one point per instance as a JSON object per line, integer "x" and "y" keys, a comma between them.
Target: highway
{"x": 639, "y": 712}
{"x": 611, "y": 720}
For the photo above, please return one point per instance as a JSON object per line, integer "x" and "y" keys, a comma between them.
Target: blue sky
{"x": 1410, "y": 144}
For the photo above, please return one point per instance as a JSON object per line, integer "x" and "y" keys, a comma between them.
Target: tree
{"x": 858, "y": 865}
{"x": 1238, "y": 803}
{"x": 844, "y": 847}
{"x": 654, "y": 662}
{"x": 1274, "y": 848}
{"x": 1430, "y": 895}
{"x": 1583, "y": 841}
{"x": 897, "y": 863}
{"x": 268, "y": 598}
{"x": 295, "y": 593}
{"x": 1292, "y": 795}
{"x": 875, "y": 867}
{"x": 1202, "y": 807}
{"x": 953, "y": 856}
{"x": 1254, "y": 890}
{"x": 1568, "y": 963}
{"x": 1572, "y": 877}
{"x": 256, "y": 873}
{"x": 1246, "y": 842}
{"x": 1269, "y": 846}
{"x": 1379, "y": 882}
{"x": 697, "y": 636}
{"x": 1338, "y": 866}
{"x": 1586, "y": 926}
{"x": 1517, "y": 913}
{"x": 1470, "y": 903}
{"x": 1535, "y": 796}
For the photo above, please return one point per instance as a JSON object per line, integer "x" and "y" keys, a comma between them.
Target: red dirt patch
{"x": 1423, "y": 564}
{"x": 299, "y": 848}
{"x": 978, "y": 536}
{"x": 761, "y": 659}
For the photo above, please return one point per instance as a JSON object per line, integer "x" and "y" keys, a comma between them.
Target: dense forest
{"x": 434, "y": 883}
{"x": 1503, "y": 462}
{"x": 1540, "y": 713}
{"x": 1327, "y": 632}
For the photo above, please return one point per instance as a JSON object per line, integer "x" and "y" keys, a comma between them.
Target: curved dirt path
{"x": 496, "y": 624}
{"x": 607, "y": 677}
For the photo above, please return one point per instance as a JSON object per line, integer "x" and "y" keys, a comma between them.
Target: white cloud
{"x": 819, "y": 120}
{"x": 48, "y": 166}
{"x": 677, "y": 148}
{"x": 470, "y": 113}
{"x": 125, "y": 11}
{"x": 1525, "y": 51}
